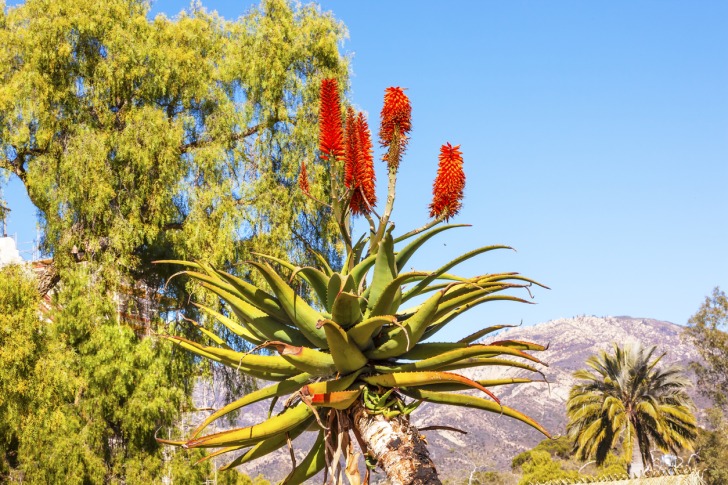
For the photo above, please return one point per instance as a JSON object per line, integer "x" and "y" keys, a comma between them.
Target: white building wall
{"x": 9, "y": 252}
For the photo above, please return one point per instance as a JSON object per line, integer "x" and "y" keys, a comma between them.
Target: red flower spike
{"x": 303, "y": 180}
{"x": 396, "y": 122}
{"x": 447, "y": 191}
{"x": 352, "y": 149}
{"x": 331, "y": 136}
{"x": 359, "y": 167}
{"x": 365, "y": 170}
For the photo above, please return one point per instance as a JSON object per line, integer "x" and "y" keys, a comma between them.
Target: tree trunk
{"x": 48, "y": 276}
{"x": 636, "y": 468}
{"x": 397, "y": 447}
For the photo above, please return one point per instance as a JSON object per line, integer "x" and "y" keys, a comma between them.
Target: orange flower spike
{"x": 351, "y": 139}
{"x": 365, "y": 166}
{"x": 396, "y": 124}
{"x": 331, "y": 137}
{"x": 303, "y": 180}
{"x": 447, "y": 191}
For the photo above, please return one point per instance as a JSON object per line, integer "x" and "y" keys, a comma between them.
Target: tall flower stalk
{"x": 353, "y": 362}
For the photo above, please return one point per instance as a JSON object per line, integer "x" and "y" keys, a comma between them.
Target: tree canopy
{"x": 707, "y": 328}
{"x": 141, "y": 139}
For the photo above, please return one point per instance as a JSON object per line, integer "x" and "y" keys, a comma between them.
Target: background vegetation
{"x": 137, "y": 140}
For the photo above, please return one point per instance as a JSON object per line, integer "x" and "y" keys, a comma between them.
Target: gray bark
{"x": 397, "y": 447}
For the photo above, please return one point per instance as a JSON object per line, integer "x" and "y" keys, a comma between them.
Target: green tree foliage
{"x": 138, "y": 140}
{"x": 21, "y": 346}
{"x": 712, "y": 449}
{"x": 81, "y": 396}
{"x": 560, "y": 448}
{"x": 707, "y": 328}
{"x": 613, "y": 466}
{"x": 541, "y": 467}
{"x": 562, "y": 463}
{"x": 626, "y": 397}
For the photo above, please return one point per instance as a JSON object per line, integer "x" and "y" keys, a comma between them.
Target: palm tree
{"x": 626, "y": 397}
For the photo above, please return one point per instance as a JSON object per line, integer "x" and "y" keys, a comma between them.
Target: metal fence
{"x": 672, "y": 477}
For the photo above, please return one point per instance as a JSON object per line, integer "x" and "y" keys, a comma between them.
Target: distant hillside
{"x": 494, "y": 440}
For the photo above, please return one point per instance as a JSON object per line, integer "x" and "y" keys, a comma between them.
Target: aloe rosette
{"x": 364, "y": 339}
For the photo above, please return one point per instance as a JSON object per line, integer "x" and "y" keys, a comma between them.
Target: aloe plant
{"x": 353, "y": 361}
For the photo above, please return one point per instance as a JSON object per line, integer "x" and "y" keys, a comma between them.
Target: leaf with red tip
{"x": 336, "y": 400}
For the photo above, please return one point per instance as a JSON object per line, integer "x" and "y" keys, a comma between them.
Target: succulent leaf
{"x": 355, "y": 255}
{"x": 360, "y": 271}
{"x": 262, "y": 300}
{"x": 316, "y": 278}
{"x": 449, "y": 311}
{"x": 406, "y": 253}
{"x": 268, "y": 445}
{"x": 231, "y": 325}
{"x": 471, "y": 301}
{"x": 311, "y": 465}
{"x": 472, "y": 402}
{"x": 322, "y": 261}
{"x": 422, "y": 284}
{"x": 333, "y": 289}
{"x": 334, "y": 385}
{"x": 362, "y": 332}
{"x": 453, "y": 386}
{"x": 347, "y": 356}
{"x": 275, "y": 390}
{"x": 455, "y": 355}
{"x": 301, "y": 313}
{"x": 487, "y": 361}
{"x": 418, "y": 379}
{"x": 391, "y": 296}
{"x": 305, "y": 359}
{"x": 385, "y": 269}
{"x": 399, "y": 340}
{"x": 519, "y": 344}
{"x": 212, "y": 336}
{"x": 426, "y": 350}
{"x": 250, "y": 435}
{"x": 250, "y": 363}
{"x": 482, "y": 333}
{"x": 258, "y": 322}
{"x": 346, "y": 310}
{"x": 336, "y": 400}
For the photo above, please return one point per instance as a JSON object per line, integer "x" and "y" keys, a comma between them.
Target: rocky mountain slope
{"x": 493, "y": 440}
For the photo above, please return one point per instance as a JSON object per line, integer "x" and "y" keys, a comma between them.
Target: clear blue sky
{"x": 595, "y": 140}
